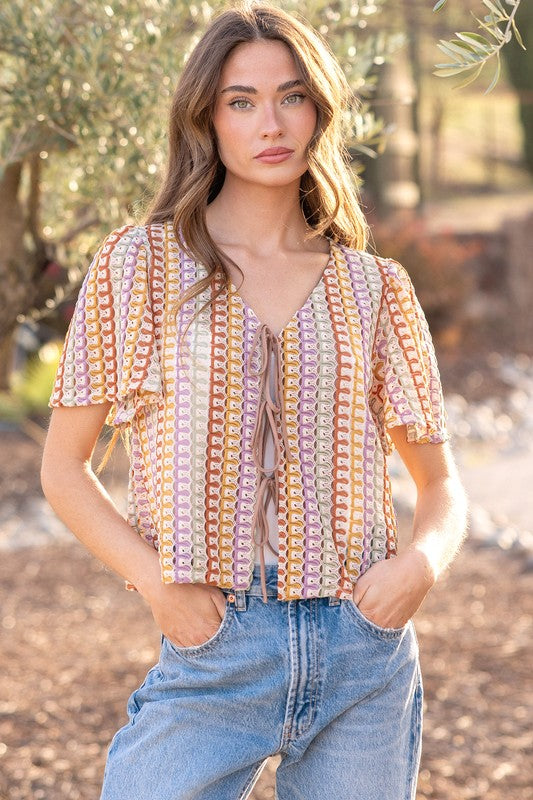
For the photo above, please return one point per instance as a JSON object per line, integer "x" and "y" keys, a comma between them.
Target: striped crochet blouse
{"x": 354, "y": 361}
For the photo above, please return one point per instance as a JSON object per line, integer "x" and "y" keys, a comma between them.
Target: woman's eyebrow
{"x": 252, "y": 90}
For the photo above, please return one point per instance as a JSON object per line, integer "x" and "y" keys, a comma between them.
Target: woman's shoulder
{"x": 138, "y": 232}
{"x": 144, "y": 246}
{"x": 375, "y": 260}
{"x": 158, "y": 230}
{"x": 161, "y": 240}
{"x": 382, "y": 268}
{"x": 121, "y": 264}
{"x": 120, "y": 247}
{"x": 389, "y": 270}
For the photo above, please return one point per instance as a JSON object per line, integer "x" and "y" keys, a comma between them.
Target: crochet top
{"x": 354, "y": 361}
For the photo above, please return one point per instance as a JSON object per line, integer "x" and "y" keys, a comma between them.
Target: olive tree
{"x": 84, "y": 90}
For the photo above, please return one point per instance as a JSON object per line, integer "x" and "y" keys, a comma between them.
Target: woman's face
{"x": 262, "y": 104}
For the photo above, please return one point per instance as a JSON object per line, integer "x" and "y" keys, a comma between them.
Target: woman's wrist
{"x": 145, "y": 577}
{"x": 419, "y": 561}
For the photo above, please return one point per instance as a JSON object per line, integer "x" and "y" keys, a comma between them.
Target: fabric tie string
{"x": 271, "y": 408}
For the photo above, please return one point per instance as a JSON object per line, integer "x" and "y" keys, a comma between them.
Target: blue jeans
{"x": 338, "y": 697}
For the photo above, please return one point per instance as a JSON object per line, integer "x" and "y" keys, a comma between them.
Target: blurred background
{"x": 446, "y": 175}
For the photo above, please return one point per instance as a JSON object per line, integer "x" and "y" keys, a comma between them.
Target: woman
{"x": 260, "y": 525}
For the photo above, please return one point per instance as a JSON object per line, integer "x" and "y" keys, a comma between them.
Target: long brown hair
{"x": 329, "y": 194}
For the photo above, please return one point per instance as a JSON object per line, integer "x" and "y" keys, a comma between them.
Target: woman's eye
{"x": 239, "y": 100}
{"x": 296, "y": 96}
{"x": 291, "y": 100}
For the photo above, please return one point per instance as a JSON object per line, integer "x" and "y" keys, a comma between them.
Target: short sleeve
{"x": 406, "y": 387}
{"x": 110, "y": 350}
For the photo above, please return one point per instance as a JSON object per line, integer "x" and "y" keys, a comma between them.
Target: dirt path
{"x": 74, "y": 644}
{"x": 501, "y": 484}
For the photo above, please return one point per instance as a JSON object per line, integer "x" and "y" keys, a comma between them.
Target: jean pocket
{"x": 372, "y": 627}
{"x": 203, "y": 647}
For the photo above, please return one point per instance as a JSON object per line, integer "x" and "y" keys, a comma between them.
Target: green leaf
{"x": 461, "y": 48}
{"x": 496, "y": 75}
{"x": 467, "y": 58}
{"x": 476, "y": 40}
{"x": 439, "y": 5}
{"x": 447, "y": 73}
{"x": 493, "y": 30}
{"x": 517, "y": 35}
{"x": 453, "y": 65}
{"x": 472, "y": 78}
{"x": 497, "y": 9}
{"x": 456, "y": 58}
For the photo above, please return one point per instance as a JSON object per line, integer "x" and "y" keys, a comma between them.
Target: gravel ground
{"x": 74, "y": 645}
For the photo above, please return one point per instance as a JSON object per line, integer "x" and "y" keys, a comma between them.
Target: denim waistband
{"x": 271, "y": 574}
{"x": 256, "y": 589}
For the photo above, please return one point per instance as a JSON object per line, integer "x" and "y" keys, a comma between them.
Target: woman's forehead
{"x": 267, "y": 62}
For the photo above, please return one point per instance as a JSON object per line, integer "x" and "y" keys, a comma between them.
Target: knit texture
{"x": 356, "y": 360}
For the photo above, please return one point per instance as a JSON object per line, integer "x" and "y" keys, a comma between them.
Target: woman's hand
{"x": 188, "y": 614}
{"x": 390, "y": 591}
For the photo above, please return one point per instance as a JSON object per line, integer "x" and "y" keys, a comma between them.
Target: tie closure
{"x": 271, "y": 408}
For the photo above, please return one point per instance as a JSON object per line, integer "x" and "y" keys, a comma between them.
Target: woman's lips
{"x": 274, "y": 155}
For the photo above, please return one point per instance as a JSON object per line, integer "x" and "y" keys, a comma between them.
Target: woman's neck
{"x": 262, "y": 219}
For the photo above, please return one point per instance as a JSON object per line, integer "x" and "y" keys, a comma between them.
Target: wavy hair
{"x": 194, "y": 174}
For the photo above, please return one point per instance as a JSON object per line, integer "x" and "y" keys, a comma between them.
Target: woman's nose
{"x": 270, "y": 124}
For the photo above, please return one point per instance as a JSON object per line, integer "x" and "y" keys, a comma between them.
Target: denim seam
{"x": 250, "y": 780}
{"x": 415, "y": 738}
{"x": 291, "y": 694}
{"x": 315, "y": 667}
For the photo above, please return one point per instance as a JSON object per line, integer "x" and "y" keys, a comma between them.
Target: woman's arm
{"x": 439, "y": 523}
{"x": 390, "y": 591}
{"x": 188, "y": 614}
{"x": 81, "y": 501}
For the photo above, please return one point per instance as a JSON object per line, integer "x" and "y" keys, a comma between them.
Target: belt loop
{"x": 240, "y": 599}
{"x": 334, "y": 601}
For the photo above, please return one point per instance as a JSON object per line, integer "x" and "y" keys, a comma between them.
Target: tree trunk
{"x": 14, "y": 291}
{"x": 520, "y": 280}
{"x": 6, "y": 361}
{"x": 398, "y": 190}
{"x": 520, "y": 68}
{"x": 22, "y": 255}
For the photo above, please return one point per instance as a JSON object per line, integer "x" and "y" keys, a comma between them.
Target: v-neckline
{"x": 248, "y": 308}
